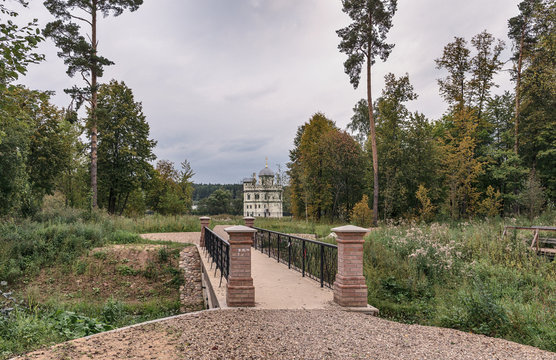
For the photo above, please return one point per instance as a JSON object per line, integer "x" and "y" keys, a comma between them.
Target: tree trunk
{"x": 125, "y": 204}
{"x": 373, "y": 132}
{"x": 94, "y": 130}
{"x": 518, "y": 82}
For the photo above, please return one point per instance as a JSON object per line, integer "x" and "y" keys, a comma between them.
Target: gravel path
{"x": 287, "y": 334}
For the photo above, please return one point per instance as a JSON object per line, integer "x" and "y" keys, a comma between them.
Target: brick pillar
{"x": 205, "y": 221}
{"x": 249, "y": 221}
{"x": 240, "y": 291}
{"x": 350, "y": 289}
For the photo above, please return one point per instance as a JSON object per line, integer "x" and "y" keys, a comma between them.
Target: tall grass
{"x": 464, "y": 276}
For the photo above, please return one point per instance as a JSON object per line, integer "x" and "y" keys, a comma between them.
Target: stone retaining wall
{"x": 191, "y": 293}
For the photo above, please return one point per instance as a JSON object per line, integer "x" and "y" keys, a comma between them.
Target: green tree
{"x": 484, "y": 65}
{"x": 219, "y": 202}
{"x": 362, "y": 41}
{"x": 306, "y": 180}
{"x": 17, "y": 45}
{"x": 326, "y": 171}
{"x": 80, "y": 54}
{"x": 455, "y": 59}
{"x": 124, "y": 147}
{"x": 392, "y": 117}
{"x": 504, "y": 170}
{"x": 342, "y": 167}
{"x": 532, "y": 196}
{"x": 360, "y": 125}
{"x": 422, "y": 161}
{"x": 426, "y": 208}
{"x": 470, "y": 79}
{"x": 521, "y": 31}
{"x": 491, "y": 205}
{"x": 34, "y": 152}
{"x": 170, "y": 190}
{"x": 537, "y": 136}
{"x": 361, "y": 214}
{"x": 50, "y": 150}
{"x": 460, "y": 167}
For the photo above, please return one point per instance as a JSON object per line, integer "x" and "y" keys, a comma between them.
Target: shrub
{"x": 426, "y": 211}
{"x": 112, "y": 311}
{"x": 163, "y": 255}
{"x": 361, "y": 214}
{"x": 478, "y": 311}
{"x": 126, "y": 270}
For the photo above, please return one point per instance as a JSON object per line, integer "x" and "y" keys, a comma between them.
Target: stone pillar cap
{"x": 240, "y": 229}
{"x": 204, "y": 218}
{"x": 350, "y": 229}
{"x": 248, "y": 218}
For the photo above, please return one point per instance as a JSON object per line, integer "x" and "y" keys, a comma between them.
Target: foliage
{"x": 80, "y": 54}
{"x": 17, "y": 46}
{"x": 537, "y": 140}
{"x": 359, "y": 125}
{"x": 170, "y": 190}
{"x": 460, "y": 166}
{"x": 124, "y": 148}
{"x": 426, "y": 210}
{"x": 362, "y": 41}
{"x": 470, "y": 79}
{"x": 463, "y": 275}
{"x": 219, "y": 202}
{"x": 361, "y": 214}
{"x": 202, "y": 193}
{"x": 532, "y": 196}
{"x": 326, "y": 171}
{"x": 60, "y": 239}
{"x": 35, "y": 151}
{"x": 491, "y": 205}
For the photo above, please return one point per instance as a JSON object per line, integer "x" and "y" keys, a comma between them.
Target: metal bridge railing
{"x": 219, "y": 251}
{"x": 314, "y": 259}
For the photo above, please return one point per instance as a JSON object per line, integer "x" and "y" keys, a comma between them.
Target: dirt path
{"x": 287, "y": 334}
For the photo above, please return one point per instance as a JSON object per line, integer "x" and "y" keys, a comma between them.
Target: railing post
{"x": 240, "y": 291}
{"x": 321, "y": 266}
{"x": 303, "y": 259}
{"x": 289, "y": 253}
{"x": 278, "y": 247}
{"x": 249, "y": 221}
{"x": 350, "y": 289}
{"x": 205, "y": 221}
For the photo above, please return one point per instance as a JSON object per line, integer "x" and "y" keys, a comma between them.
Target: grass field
{"x": 74, "y": 275}
{"x": 461, "y": 275}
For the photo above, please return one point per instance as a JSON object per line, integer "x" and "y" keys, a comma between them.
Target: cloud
{"x": 226, "y": 83}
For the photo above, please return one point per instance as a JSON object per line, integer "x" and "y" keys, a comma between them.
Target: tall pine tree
{"x": 362, "y": 41}
{"x": 80, "y": 54}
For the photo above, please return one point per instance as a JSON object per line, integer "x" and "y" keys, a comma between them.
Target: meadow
{"x": 461, "y": 275}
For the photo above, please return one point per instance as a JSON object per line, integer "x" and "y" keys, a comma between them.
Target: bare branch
{"x": 82, "y": 19}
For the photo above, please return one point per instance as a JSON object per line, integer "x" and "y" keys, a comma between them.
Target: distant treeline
{"x": 202, "y": 191}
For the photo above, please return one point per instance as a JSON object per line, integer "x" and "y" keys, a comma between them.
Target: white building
{"x": 262, "y": 198}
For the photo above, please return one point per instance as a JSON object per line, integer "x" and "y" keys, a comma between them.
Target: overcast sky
{"x": 225, "y": 83}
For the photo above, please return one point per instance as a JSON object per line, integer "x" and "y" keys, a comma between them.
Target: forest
{"x": 488, "y": 155}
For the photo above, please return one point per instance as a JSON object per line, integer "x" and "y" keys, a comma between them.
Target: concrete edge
{"x": 217, "y": 301}
{"x": 211, "y": 300}
{"x": 369, "y": 310}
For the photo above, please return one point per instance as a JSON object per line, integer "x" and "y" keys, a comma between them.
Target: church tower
{"x": 262, "y": 198}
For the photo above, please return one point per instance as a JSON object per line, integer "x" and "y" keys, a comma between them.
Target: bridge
{"x": 246, "y": 266}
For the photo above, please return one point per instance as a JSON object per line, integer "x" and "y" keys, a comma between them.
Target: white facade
{"x": 262, "y": 198}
